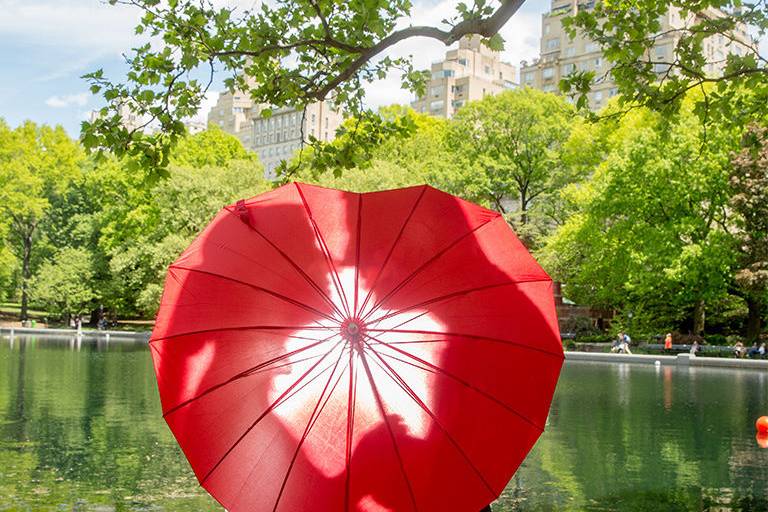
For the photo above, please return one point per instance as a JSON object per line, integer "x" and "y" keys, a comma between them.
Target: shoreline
{"x": 86, "y": 333}
{"x": 676, "y": 360}
{"x": 599, "y": 357}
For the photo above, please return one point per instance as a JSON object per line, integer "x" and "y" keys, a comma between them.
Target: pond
{"x": 81, "y": 429}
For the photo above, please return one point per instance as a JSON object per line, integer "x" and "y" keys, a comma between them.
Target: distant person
{"x": 761, "y": 350}
{"x": 754, "y": 350}
{"x": 616, "y": 345}
{"x": 739, "y": 350}
{"x": 694, "y": 347}
{"x": 668, "y": 342}
{"x": 626, "y": 340}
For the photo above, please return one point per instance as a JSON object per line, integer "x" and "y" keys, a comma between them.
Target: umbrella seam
{"x": 394, "y": 245}
{"x": 461, "y": 381}
{"x": 473, "y": 336}
{"x": 259, "y": 288}
{"x": 276, "y": 403}
{"x": 424, "y": 265}
{"x": 410, "y": 392}
{"x": 326, "y": 253}
{"x": 293, "y": 264}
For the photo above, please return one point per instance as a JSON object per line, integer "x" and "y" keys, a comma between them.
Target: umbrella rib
{"x": 392, "y": 249}
{"x": 383, "y": 413}
{"x": 461, "y": 381}
{"x": 279, "y": 400}
{"x": 316, "y": 412}
{"x": 295, "y": 266}
{"x": 242, "y": 328}
{"x": 261, "y": 289}
{"x": 351, "y": 404}
{"x": 357, "y": 251}
{"x": 441, "y": 298}
{"x": 412, "y": 394}
{"x": 424, "y": 265}
{"x": 326, "y": 253}
{"x": 470, "y": 336}
{"x": 245, "y": 373}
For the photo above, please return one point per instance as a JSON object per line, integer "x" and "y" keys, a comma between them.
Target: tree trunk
{"x": 25, "y": 276}
{"x": 524, "y": 206}
{"x": 754, "y": 319}
{"x": 698, "y": 317}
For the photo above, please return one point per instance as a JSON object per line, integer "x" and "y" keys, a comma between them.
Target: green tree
{"x": 210, "y": 147}
{"x": 512, "y": 148}
{"x": 396, "y": 159}
{"x": 142, "y": 227}
{"x": 283, "y": 53}
{"x": 64, "y": 285}
{"x": 749, "y": 182}
{"x": 37, "y": 164}
{"x": 649, "y": 232}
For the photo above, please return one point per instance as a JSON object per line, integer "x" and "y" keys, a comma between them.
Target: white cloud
{"x": 68, "y": 100}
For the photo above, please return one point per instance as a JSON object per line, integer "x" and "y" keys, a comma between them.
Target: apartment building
{"x": 560, "y": 55}
{"x": 277, "y": 137}
{"x": 470, "y": 72}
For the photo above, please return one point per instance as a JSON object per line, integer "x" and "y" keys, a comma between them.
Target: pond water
{"x": 81, "y": 429}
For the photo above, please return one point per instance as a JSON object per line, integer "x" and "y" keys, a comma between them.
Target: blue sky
{"x": 46, "y": 45}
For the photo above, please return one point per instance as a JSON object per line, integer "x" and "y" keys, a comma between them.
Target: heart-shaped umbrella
{"x": 332, "y": 351}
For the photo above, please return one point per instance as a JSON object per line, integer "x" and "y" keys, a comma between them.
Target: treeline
{"x": 82, "y": 232}
{"x": 661, "y": 218}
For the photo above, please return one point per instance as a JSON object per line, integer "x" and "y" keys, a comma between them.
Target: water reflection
{"x": 82, "y": 430}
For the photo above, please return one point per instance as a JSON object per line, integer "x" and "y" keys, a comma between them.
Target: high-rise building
{"x": 276, "y": 137}
{"x": 560, "y": 55}
{"x": 469, "y": 72}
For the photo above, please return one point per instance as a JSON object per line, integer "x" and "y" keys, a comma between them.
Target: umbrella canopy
{"x": 332, "y": 351}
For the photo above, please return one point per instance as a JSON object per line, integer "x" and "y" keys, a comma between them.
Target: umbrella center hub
{"x": 352, "y": 329}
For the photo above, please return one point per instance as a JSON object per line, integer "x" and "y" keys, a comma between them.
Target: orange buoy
{"x": 762, "y": 440}
{"x": 762, "y": 424}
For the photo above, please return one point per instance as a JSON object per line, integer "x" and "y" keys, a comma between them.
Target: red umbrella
{"x": 319, "y": 350}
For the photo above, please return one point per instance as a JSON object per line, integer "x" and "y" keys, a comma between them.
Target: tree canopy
{"x": 284, "y": 53}
{"x": 649, "y": 233}
{"x": 628, "y": 31}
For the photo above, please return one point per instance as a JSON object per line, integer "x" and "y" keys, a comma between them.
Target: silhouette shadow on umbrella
{"x": 325, "y": 350}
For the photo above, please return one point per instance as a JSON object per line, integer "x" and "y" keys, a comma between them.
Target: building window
{"x": 546, "y": 29}
{"x": 598, "y": 62}
{"x": 457, "y": 89}
{"x": 445, "y": 73}
{"x": 548, "y": 73}
{"x": 591, "y": 47}
{"x": 436, "y": 91}
{"x": 549, "y": 88}
{"x": 553, "y": 44}
{"x": 598, "y": 96}
{"x": 487, "y": 70}
{"x": 528, "y": 77}
{"x": 437, "y": 105}
{"x": 569, "y": 68}
{"x": 501, "y": 76}
{"x": 457, "y": 103}
{"x": 613, "y": 92}
{"x": 463, "y": 61}
{"x": 570, "y": 51}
